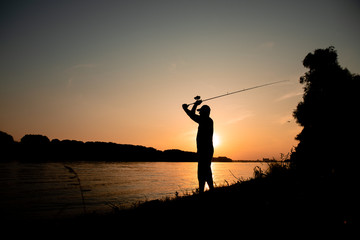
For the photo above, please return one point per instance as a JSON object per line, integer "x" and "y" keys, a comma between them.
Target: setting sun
{"x": 216, "y": 140}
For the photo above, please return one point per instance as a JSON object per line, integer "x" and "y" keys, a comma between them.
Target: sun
{"x": 216, "y": 140}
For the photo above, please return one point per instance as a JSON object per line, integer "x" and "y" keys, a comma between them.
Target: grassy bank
{"x": 276, "y": 202}
{"x": 275, "y": 198}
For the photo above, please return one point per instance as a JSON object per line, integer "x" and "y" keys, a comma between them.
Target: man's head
{"x": 204, "y": 111}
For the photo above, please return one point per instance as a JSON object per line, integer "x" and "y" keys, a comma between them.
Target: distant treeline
{"x": 40, "y": 148}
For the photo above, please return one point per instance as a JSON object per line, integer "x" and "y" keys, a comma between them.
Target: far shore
{"x": 39, "y": 148}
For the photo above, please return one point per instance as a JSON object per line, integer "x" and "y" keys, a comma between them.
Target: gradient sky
{"x": 119, "y": 71}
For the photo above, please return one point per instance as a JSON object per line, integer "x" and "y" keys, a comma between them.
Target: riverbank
{"x": 277, "y": 200}
{"x": 274, "y": 199}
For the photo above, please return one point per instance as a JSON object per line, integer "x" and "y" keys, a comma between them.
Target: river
{"x": 42, "y": 190}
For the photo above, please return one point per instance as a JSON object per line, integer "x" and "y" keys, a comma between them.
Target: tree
{"x": 35, "y": 139}
{"x": 328, "y": 113}
{"x": 7, "y": 145}
{"x": 6, "y": 139}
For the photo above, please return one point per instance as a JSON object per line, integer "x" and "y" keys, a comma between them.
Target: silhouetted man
{"x": 205, "y": 149}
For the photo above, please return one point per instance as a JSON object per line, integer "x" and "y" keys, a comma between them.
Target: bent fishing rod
{"x": 197, "y": 98}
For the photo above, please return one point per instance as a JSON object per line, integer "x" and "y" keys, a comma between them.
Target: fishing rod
{"x": 197, "y": 98}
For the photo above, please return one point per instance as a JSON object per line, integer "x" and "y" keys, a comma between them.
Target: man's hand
{"x": 198, "y": 102}
{"x": 185, "y": 106}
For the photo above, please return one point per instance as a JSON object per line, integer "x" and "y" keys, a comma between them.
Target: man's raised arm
{"x": 191, "y": 113}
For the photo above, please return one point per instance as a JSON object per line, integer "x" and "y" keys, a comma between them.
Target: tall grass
{"x": 275, "y": 169}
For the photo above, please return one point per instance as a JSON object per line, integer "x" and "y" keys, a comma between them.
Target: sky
{"x": 119, "y": 71}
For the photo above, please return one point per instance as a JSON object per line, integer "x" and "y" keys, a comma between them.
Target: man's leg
{"x": 210, "y": 183}
{"x": 201, "y": 177}
{"x": 201, "y": 186}
{"x": 209, "y": 178}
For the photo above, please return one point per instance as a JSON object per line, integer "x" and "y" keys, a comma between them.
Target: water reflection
{"x": 46, "y": 189}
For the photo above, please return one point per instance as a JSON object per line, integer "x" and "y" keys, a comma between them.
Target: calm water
{"x": 47, "y": 189}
